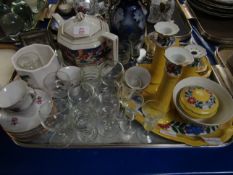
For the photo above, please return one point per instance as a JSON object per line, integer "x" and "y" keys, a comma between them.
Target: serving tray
{"x": 168, "y": 136}
{"x": 162, "y": 140}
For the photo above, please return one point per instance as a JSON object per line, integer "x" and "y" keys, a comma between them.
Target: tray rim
{"x": 119, "y": 146}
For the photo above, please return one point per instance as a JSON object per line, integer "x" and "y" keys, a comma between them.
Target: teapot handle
{"x": 114, "y": 39}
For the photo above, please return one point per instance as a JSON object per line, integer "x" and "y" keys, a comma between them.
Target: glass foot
{"x": 144, "y": 136}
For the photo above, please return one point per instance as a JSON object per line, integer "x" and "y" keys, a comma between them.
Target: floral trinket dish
{"x": 198, "y": 102}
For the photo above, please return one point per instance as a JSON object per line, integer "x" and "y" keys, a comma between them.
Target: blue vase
{"x": 128, "y": 20}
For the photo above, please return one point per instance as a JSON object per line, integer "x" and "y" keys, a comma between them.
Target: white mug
{"x": 34, "y": 62}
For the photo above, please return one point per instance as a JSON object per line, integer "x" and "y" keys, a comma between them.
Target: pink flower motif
{"x": 191, "y": 100}
{"x": 39, "y": 100}
{"x": 14, "y": 121}
{"x": 164, "y": 126}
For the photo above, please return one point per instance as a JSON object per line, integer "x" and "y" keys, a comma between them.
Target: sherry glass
{"x": 152, "y": 115}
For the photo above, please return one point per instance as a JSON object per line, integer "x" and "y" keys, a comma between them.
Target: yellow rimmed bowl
{"x": 219, "y": 113}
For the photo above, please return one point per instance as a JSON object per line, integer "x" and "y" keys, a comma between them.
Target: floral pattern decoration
{"x": 188, "y": 129}
{"x": 14, "y": 121}
{"x": 39, "y": 100}
{"x": 86, "y": 56}
{"x": 173, "y": 69}
{"x": 199, "y": 104}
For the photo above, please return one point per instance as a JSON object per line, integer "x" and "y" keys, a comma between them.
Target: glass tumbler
{"x": 152, "y": 115}
{"x": 57, "y": 84}
{"x": 55, "y": 117}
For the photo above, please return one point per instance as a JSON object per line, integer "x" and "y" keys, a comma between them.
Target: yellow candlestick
{"x": 176, "y": 59}
{"x": 157, "y": 66}
{"x": 164, "y": 93}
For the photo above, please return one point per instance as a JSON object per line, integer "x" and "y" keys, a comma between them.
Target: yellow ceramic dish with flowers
{"x": 198, "y": 102}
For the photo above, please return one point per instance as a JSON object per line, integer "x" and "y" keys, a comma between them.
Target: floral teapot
{"x": 84, "y": 40}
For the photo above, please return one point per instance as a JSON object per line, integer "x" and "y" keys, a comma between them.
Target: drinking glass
{"x": 90, "y": 75}
{"x": 22, "y": 9}
{"x": 84, "y": 124}
{"x": 152, "y": 115}
{"x": 11, "y": 25}
{"x": 161, "y": 10}
{"x": 107, "y": 108}
{"x": 35, "y": 5}
{"x": 54, "y": 116}
{"x": 57, "y": 84}
{"x": 80, "y": 96}
{"x": 91, "y": 7}
{"x": 4, "y": 9}
{"x": 130, "y": 108}
{"x": 85, "y": 6}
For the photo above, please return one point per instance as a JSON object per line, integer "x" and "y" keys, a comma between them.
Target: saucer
{"x": 27, "y": 120}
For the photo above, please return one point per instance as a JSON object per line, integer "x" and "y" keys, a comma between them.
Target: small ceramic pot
{"x": 199, "y": 54}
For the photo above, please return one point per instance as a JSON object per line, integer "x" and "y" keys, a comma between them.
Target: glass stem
{"x": 147, "y": 133}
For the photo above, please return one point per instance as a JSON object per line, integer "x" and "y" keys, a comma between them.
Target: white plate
{"x": 24, "y": 121}
{"x": 225, "y": 111}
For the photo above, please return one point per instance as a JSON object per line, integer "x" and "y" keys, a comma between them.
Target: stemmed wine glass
{"x": 135, "y": 80}
{"x": 152, "y": 115}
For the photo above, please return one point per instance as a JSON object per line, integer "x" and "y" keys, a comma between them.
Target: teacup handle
{"x": 114, "y": 39}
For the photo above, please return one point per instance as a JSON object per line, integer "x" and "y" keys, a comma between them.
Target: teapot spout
{"x": 58, "y": 18}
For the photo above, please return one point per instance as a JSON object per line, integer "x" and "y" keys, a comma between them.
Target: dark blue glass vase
{"x": 128, "y": 20}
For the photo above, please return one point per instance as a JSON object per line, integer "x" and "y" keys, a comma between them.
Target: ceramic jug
{"x": 34, "y": 62}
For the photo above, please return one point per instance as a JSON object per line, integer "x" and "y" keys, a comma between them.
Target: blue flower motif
{"x": 194, "y": 129}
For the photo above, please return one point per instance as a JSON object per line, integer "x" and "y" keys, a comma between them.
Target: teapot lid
{"x": 80, "y": 26}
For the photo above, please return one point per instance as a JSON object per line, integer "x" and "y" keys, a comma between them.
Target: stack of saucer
{"x": 27, "y": 136}
{"x": 218, "y": 8}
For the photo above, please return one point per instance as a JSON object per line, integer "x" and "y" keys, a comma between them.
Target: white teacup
{"x": 135, "y": 79}
{"x": 34, "y": 62}
{"x": 15, "y": 96}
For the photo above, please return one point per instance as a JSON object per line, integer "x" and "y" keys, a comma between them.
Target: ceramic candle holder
{"x": 166, "y": 32}
{"x": 176, "y": 59}
{"x": 199, "y": 65}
